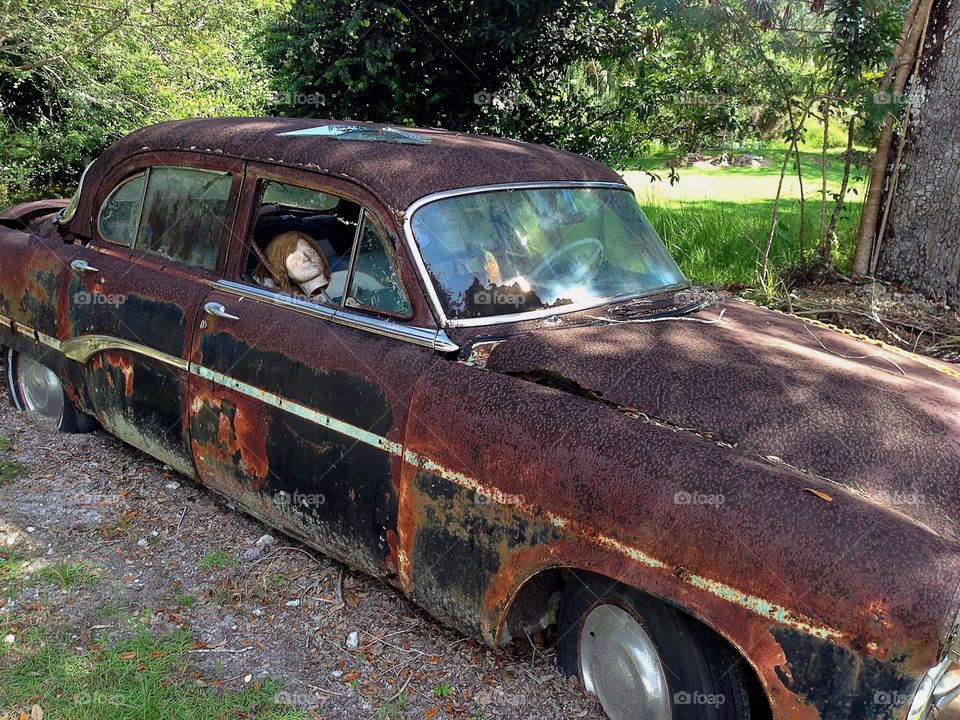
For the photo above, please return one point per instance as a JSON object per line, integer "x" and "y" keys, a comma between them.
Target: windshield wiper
{"x": 685, "y": 301}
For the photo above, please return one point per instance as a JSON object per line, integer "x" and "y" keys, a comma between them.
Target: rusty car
{"x": 470, "y": 367}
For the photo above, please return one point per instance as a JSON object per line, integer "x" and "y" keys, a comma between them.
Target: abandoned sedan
{"x": 470, "y": 367}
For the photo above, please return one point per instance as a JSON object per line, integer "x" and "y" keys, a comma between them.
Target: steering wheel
{"x": 591, "y": 258}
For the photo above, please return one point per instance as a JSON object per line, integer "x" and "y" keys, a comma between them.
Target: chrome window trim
{"x": 421, "y": 267}
{"x": 361, "y": 222}
{"x": 435, "y": 339}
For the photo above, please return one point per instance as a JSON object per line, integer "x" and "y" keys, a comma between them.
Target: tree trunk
{"x": 921, "y": 247}
{"x": 895, "y": 80}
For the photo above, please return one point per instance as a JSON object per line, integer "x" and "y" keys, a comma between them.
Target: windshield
{"x": 501, "y": 252}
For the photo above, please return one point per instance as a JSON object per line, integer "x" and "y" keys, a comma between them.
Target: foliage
{"x": 599, "y": 78}
{"x": 79, "y": 75}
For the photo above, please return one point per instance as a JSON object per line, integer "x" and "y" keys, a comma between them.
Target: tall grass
{"x": 716, "y": 220}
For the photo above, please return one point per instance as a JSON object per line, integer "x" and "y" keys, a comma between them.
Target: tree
{"x": 921, "y": 241}
{"x": 75, "y": 76}
{"x": 600, "y": 78}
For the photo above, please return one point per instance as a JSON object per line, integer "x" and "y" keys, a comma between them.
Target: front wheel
{"x": 645, "y": 660}
{"x": 34, "y": 387}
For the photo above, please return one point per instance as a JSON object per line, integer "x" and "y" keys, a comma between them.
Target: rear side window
{"x": 177, "y": 213}
{"x": 184, "y": 211}
{"x": 119, "y": 214}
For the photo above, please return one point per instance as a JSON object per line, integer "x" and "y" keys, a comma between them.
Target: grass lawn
{"x": 140, "y": 674}
{"x": 715, "y": 220}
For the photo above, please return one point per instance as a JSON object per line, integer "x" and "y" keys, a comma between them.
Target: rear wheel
{"x": 645, "y": 660}
{"x": 34, "y": 387}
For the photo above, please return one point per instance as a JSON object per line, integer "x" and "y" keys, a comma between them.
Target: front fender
{"x": 832, "y": 599}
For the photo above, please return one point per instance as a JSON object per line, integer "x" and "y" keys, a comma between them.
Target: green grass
{"x": 10, "y": 469}
{"x": 715, "y": 220}
{"x": 145, "y": 676}
{"x": 68, "y": 575}
{"x": 13, "y": 566}
{"x": 217, "y": 558}
{"x": 17, "y": 571}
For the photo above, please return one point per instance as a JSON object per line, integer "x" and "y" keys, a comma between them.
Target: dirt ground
{"x": 339, "y": 643}
{"x": 881, "y": 311}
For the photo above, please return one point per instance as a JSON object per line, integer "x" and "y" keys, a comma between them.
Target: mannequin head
{"x": 298, "y": 263}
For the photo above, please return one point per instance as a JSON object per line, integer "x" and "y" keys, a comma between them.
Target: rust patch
{"x": 122, "y": 362}
{"x": 237, "y": 437}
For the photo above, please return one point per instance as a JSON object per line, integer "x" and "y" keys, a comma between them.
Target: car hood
{"x": 882, "y": 423}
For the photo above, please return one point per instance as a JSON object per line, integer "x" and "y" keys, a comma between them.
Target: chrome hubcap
{"x": 39, "y": 387}
{"x": 621, "y": 666}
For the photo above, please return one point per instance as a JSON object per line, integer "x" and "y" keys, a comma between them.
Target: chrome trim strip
{"x": 265, "y": 295}
{"x": 19, "y": 328}
{"x": 290, "y": 406}
{"x": 47, "y": 340}
{"x": 414, "y": 250}
{"x": 83, "y": 347}
{"x": 424, "y": 337}
{"x": 443, "y": 343}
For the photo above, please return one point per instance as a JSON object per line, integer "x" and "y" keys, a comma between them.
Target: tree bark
{"x": 921, "y": 247}
{"x": 895, "y": 80}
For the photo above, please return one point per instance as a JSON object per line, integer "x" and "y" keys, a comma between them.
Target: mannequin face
{"x": 304, "y": 264}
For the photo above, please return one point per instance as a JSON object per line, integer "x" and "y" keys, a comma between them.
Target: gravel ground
{"x": 341, "y": 645}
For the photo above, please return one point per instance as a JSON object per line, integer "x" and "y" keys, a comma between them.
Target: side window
{"x": 302, "y": 240}
{"x": 306, "y": 245}
{"x": 375, "y": 281}
{"x": 184, "y": 211}
{"x": 119, "y": 214}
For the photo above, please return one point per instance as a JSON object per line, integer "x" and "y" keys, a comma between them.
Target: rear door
{"x": 298, "y": 407}
{"x": 162, "y": 228}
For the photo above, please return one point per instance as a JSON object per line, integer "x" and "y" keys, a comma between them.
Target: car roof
{"x": 400, "y": 165}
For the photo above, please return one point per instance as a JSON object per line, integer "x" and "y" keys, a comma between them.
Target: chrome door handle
{"x": 218, "y": 310}
{"x": 83, "y": 266}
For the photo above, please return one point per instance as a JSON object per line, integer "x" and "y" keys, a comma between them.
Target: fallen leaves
{"x": 820, "y": 494}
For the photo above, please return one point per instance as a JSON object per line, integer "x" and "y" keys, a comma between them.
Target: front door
{"x": 136, "y": 290}
{"x": 299, "y": 405}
